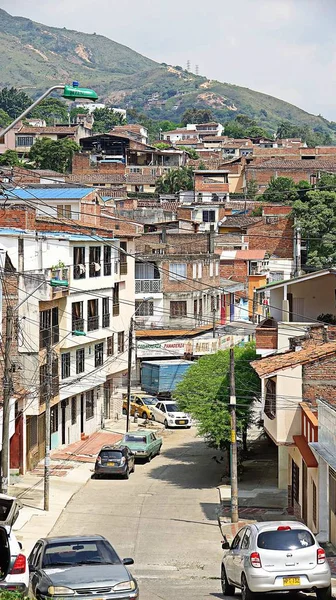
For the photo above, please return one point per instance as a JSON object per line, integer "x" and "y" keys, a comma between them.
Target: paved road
{"x": 164, "y": 516}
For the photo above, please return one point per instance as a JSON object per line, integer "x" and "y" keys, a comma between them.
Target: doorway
{"x": 63, "y": 420}
{"x": 304, "y": 492}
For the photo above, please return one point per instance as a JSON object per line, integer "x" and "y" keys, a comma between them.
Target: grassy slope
{"x": 34, "y": 56}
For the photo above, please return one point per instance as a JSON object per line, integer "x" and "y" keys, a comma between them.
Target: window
{"x": 276, "y": 276}
{"x": 216, "y": 268}
{"x": 80, "y": 361}
{"x": 178, "y": 308}
{"x": 177, "y": 271}
{"x": 65, "y": 365}
{"x": 218, "y": 303}
{"x": 107, "y": 260}
{"x": 237, "y": 539}
{"x": 270, "y": 399}
{"x": 144, "y": 308}
{"x": 209, "y": 216}
{"x": 123, "y": 258}
{"x": 135, "y": 170}
{"x": 295, "y": 482}
{"x": 99, "y": 354}
{"x": 195, "y": 309}
{"x": 110, "y": 345}
{"x": 54, "y": 419}
{"x": 314, "y": 503}
{"x": 121, "y": 342}
{"x": 200, "y": 307}
{"x": 116, "y": 307}
{"x": 94, "y": 260}
{"x": 89, "y": 404}
{"x": 77, "y": 316}
{"x": 212, "y": 300}
{"x": 246, "y": 540}
{"x": 211, "y": 268}
{"x": 24, "y": 140}
{"x": 285, "y": 540}
{"x": 106, "y": 312}
{"x": 73, "y": 410}
{"x": 93, "y": 316}
{"x": 49, "y": 328}
{"x": 79, "y": 262}
{"x": 64, "y": 210}
{"x": 194, "y": 271}
{"x": 199, "y": 270}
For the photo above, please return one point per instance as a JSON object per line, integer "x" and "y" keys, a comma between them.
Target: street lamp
{"x": 70, "y": 92}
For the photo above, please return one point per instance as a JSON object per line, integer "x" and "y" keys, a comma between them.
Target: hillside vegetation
{"x": 35, "y": 56}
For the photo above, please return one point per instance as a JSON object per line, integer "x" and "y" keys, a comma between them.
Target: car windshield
{"x": 150, "y": 401}
{"x": 286, "y": 539}
{"x": 111, "y": 454}
{"x": 172, "y": 408}
{"x": 79, "y": 553}
{"x": 140, "y": 439}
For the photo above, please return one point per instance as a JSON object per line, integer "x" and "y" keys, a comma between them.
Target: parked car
{"x": 144, "y": 444}
{"x": 167, "y": 412}
{"x": 275, "y": 556}
{"x": 56, "y": 569}
{"x": 14, "y": 573}
{"x": 114, "y": 460}
{"x": 141, "y": 403}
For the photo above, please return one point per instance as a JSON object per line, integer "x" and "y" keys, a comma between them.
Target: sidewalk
{"x": 70, "y": 468}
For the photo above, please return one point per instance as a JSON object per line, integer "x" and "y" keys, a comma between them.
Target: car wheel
{"x": 246, "y": 593}
{"x": 166, "y": 423}
{"x": 227, "y": 588}
{"x": 149, "y": 457}
{"x": 144, "y": 415}
{"x": 323, "y": 593}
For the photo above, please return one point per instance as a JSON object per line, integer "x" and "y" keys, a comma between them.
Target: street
{"x": 164, "y": 517}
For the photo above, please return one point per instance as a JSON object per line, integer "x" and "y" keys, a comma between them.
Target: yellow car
{"x": 140, "y": 403}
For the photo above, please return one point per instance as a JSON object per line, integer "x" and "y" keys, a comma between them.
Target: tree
{"x": 53, "y": 154}
{"x": 244, "y": 127}
{"x": 204, "y": 392}
{"x": 10, "y": 158}
{"x": 191, "y": 151}
{"x": 50, "y": 110}
{"x": 78, "y": 110}
{"x": 252, "y": 189}
{"x": 317, "y": 218}
{"x": 175, "y": 181}
{"x": 14, "y": 102}
{"x": 105, "y": 119}
{"x": 162, "y": 145}
{"x": 197, "y": 115}
{"x": 5, "y": 119}
{"x": 280, "y": 189}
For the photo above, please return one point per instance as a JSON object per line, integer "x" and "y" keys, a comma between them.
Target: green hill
{"x": 35, "y": 56}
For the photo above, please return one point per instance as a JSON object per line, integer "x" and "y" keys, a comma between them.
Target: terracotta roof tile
{"x": 48, "y": 130}
{"x": 250, "y": 254}
{"x": 239, "y": 221}
{"x": 271, "y": 364}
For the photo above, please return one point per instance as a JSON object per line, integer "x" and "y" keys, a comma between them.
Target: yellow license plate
{"x": 291, "y": 581}
{"x": 109, "y": 464}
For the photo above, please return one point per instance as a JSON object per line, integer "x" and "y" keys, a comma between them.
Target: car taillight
{"x": 19, "y": 565}
{"x": 255, "y": 560}
{"x": 284, "y": 528}
{"x": 321, "y": 556}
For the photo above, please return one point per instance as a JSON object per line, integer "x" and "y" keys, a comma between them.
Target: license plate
{"x": 109, "y": 464}
{"x": 182, "y": 422}
{"x": 291, "y": 581}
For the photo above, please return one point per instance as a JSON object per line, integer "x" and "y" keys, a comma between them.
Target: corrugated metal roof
{"x": 64, "y": 192}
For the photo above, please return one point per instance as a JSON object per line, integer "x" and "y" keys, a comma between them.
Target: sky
{"x": 285, "y": 48}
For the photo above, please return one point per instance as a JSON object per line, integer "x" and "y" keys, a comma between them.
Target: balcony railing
{"x": 123, "y": 268}
{"x": 93, "y": 323}
{"x": 106, "y": 320}
{"x": 147, "y": 286}
{"x": 78, "y": 324}
{"x": 107, "y": 268}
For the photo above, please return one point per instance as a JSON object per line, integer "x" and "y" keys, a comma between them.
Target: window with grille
{"x": 54, "y": 419}
{"x": 121, "y": 341}
{"x": 107, "y": 260}
{"x": 49, "y": 327}
{"x": 24, "y": 140}
{"x": 99, "y": 354}
{"x": 94, "y": 260}
{"x": 79, "y": 267}
{"x": 314, "y": 503}
{"x": 178, "y": 308}
{"x": 89, "y": 404}
{"x": 44, "y": 380}
{"x": 80, "y": 361}
{"x": 106, "y": 311}
{"x": 77, "y": 316}
{"x": 110, "y": 345}
{"x": 295, "y": 483}
{"x": 212, "y": 300}
{"x": 270, "y": 399}
{"x": 64, "y": 210}
{"x": 195, "y": 309}
{"x": 65, "y": 365}
{"x": 73, "y": 410}
{"x": 115, "y": 300}
{"x": 209, "y": 216}
{"x": 93, "y": 316}
{"x": 123, "y": 258}
{"x": 144, "y": 308}
{"x": 177, "y": 271}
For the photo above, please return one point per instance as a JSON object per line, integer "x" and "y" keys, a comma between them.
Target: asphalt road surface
{"x": 164, "y": 517}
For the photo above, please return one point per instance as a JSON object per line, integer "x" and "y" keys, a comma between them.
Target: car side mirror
{"x": 128, "y": 561}
{"x": 20, "y": 545}
{"x": 32, "y": 568}
{"x": 225, "y": 545}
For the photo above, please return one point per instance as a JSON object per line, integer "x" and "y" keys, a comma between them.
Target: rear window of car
{"x": 293, "y": 539}
{"x": 111, "y": 454}
{"x": 135, "y": 438}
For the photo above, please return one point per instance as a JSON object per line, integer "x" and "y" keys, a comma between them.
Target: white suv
{"x": 275, "y": 557}
{"x": 167, "y": 412}
{"x": 14, "y": 572}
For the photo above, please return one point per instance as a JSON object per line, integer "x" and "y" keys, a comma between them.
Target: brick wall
{"x": 319, "y": 380}
{"x": 191, "y": 284}
{"x": 81, "y": 165}
{"x": 181, "y": 243}
{"x": 267, "y": 338}
{"x": 276, "y": 238}
{"x": 236, "y": 269}
{"x": 18, "y": 216}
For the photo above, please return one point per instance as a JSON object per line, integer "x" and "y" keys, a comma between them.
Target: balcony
{"x": 147, "y": 286}
{"x": 106, "y": 320}
{"x": 93, "y": 323}
{"x": 78, "y": 324}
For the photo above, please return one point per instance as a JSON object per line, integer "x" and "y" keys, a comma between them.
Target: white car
{"x": 14, "y": 571}
{"x": 167, "y": 412}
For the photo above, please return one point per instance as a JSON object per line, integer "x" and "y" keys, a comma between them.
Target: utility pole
{"x": 297, "y": 271}
{"x": 233, "y": 453}
{"x": 7, "y": 390}
{"x": 214, "y": 321}
{"x": 129, "y": 370}
{"x": 47, "y": 424}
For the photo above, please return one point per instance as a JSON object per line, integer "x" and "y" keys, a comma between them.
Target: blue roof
{"x": 40, "y": 193}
